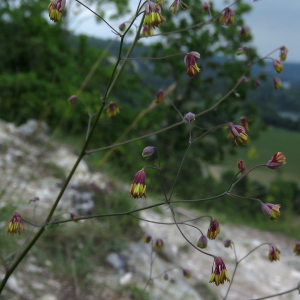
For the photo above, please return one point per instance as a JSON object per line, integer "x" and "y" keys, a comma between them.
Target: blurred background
{"x": 43, "y": 63}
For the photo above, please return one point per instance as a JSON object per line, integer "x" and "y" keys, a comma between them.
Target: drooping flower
{"x": 147, "y": 239}
{"x": 219, "y": 274}
{"x": 271, "y": 211}
{"x": 159, "y": 97}
{"x": 138, "y": 186}
{"x": 238, "y": 133}
{"x": 147, "y": 152}
{"x": 153, "y": 15}
{"x": 244, "y": 32}
{"x": 175, "y": 4}
{"x": 189, "y": 117}
{"x": 296, "y": 248}
{"x": 190, "y": 62}
{"x": 112, "y": 109}
{"x": 74, "y": 216}
{"x": 213, "y": 229}
{"x": 241, "y": 167}
{"x": 277, "y": 161}
{"x": 206, "y": 6}
{"x": 244, "y": 123}
{"x": 241, "y": 51}
{"x": 202, "y": 243}
{"x": 159, "y": 244}
{"x": 277, "y": 65}
{"x": 15, "y": 225}
{"x": 283, "y": 53}
{"x": 228, "y": 243}
{"x": 55, "y": 9}
{"x": 187, "y": 273}
{"x": 273, "y": 253}
{"x": 228, "y": 16}
{"x": 72, "y": 100}
{"x": 147, "y": 31}
{"x": 277, "y": 83}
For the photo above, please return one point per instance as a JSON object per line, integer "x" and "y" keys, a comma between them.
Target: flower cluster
{"x": 273, "y": 253}
{"x": 153, "y": 15}
{"x": 190, "y": 62}
{"x": 138, "y": 186}
{"x": 55, "y": 9}
{"x": 16, "y": 224}
{"x": 213, "y": 229}
{"x": 219, "y": 274}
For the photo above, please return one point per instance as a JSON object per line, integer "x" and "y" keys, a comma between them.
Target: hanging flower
{"x": 213, "y": 229}
{"x": 138, "y": 186}
{"x": 283, "y": 53}
{"x": 206, "y": 6}
{"x": 277, "y": 66}
{"x": 15, "y": 225}
{"x": 244, "y": 123}
{"x": 244, "y": 32}
{"x": 147, "y": 31}
{"x": 277, "y": 161}
{"x": 277, "y": 83}
{"x": 238, "y": 133}
{"x": 147, "y": 239}
{"x": 112, "y": 109}
{"x": 190, "y": 62}
{"x": 74, "y": 217}
{"x": 175, "y": 4}
{"x": 297, "y": 249}
{"x": 273, "y": 253}
{"x": 228, "y": 16}
{"x": 159, "y": 97}
{"x": 219, "y": 274}
{"x": 159, "y": 244}
{"x": 153, "y": 15}
{"x": 271, "y": 211}
{"x": 55, "y": 9}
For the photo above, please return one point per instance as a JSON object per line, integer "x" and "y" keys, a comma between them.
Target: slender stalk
{"x": 279, "y": 294}
{"x": 209, "y": 130}
{"x": 262, "y": 165}
{"x": 232, "y": 278}
{"x": 168, "y": 270}
{"x": 237, "y": 196}
{"x": 138, "y": 58}
{"x": 252, "y": 251}
{"x": 199, "y": 200}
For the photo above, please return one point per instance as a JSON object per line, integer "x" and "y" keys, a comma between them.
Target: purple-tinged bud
{"x": 74, "y": 216}
{"x": 147, "y": 239}
{"x": 138, "y": 186}
{"x": 112, "y": 109}
{"x": 243, "y": 80}
{"x": 277, "y": 83}
{"x": 147, "y": 152}
{"x": 159, "y": 244}
{"x": 159, "y": 97}
{"x": 244, "y": 32}
{"x": 273, "y": 252}
{"x": 72, "y": 100}
{"x": 244, "y": 123}
{"x": 122, "y": 27}
{"x": 206, "y": 6}
{"x": 213, "y": 229}
{"x": 283, "y": 53}
{"x": 189, "y": 117}
{"x": 296, "y": 248}
{"x": 166, "y": 276}
{"x": 55, "y": 9}
{"x": 271, "y": 211}
{"x": 257, "y": 83}
{"x": 277, "y": 161}
{"x": 190, "y": 62}
{"x": 277, "y": 65}
{"x": 228, "y": 16}
{"x": 202, "y": 243}
{"x": 228, "y": 243}
{"x": 186, "y": 273}
{"x": 242, "y": 50}
{"x": 241, "y": 167}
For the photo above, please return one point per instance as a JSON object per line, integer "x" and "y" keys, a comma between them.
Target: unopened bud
{"x": 244, "y": 32}
{"x": 74, "y": 216}
{"x": 122, "y": 27}
{"x": 277, "y": 65}
{"x": 277, "y": 83}
{"x": 147, "y": 152}
{"x": 202, "y": 243}
{"x": 227, "y": 243}
{"x": 271, "y": 211}
{"x": 166, "y": 276}
{"x": 147, "y": 239}
{"x": 189, "y": 117}
{"x": 72, "y": 100}
{"x": 159, "y": 97}
{"x": 187, "y": 273}
{"x": 206, "y": 6}
{"x": 159, "y": 244}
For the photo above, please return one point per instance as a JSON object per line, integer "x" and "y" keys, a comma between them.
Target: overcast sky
{"x": 273, "y": 23}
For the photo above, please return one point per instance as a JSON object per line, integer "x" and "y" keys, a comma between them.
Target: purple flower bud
{"x": 202, "y": 243}
{"x": 166, "y": 276}
{"x": 159, "y": 244}
{"x": 147, "y": 238}
{"x": 189, "y": 117}
{"x": 244, "y": 32}
{"x": 206, "y": 6}
{"x": 122, "y": 27}
{"x": 271, "y": 211}
{"x": 228, "y": 243}
{"x": 147, "y": 152}
{"x": 187, "y": 273}
{"x": 72, "y": 100}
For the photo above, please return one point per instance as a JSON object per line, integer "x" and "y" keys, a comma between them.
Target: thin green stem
{"x": 252, "y": 251}
{"x": 199, "y": 200}
{"x": 235, "y": 268}
{"x": 233, "y": 181}
{"x": 237, "y": 196}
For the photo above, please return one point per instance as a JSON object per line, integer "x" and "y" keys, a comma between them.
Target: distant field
{"x": 270, "y": 141}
